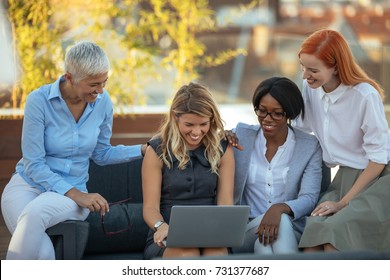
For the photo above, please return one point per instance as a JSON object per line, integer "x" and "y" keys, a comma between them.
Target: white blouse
{"x": 266, "y": 181}
{"x": 350, "y": 124}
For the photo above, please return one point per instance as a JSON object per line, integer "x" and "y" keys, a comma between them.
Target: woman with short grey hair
{"x": 66, "y": 124}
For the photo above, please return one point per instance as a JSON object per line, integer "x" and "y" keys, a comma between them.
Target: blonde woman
{"x": 190, "y": 163}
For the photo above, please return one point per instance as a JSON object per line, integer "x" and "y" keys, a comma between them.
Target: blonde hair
{"x": 192, "y": 99}
{"x": 330, "y": 47}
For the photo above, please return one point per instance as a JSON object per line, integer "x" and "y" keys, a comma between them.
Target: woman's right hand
{"x": 93, "y": 201}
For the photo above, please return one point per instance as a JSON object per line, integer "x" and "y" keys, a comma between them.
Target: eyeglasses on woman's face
{"x": 276, "y": 116}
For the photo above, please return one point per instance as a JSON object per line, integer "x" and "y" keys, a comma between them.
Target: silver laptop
{"x": 207, "y": 226}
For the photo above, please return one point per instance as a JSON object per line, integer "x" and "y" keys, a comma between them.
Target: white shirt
{"x": 349, "y": 122}
{"x": 266, "y": 182}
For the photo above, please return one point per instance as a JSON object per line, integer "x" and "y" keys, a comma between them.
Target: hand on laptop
{"x": 161, "y": 234}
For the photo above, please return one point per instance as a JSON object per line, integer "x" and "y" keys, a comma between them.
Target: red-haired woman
{"x": 344, "y": 110}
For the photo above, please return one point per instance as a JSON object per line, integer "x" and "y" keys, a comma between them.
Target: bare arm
{"x": 226, "y": 178}
{"x": 93, "y": 201}
{"x": 372, "y": 171}
{"x": 151, "y": 187}
{"x": 151, "y": 190}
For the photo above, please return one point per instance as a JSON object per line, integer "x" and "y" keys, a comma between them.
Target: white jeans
{"x": 28, "y": 212}
{"x": 285, "y": 244}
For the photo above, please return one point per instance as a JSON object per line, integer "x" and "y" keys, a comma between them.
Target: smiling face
{"x": 318, "y": 74}
{"x": 193, "y": 128}
{"x": 271, "y": 128}
{"x": 88, "y": 89}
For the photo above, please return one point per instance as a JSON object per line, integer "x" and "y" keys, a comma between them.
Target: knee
{"x": 285, "y": 218}
{"x": 181, "y": 252}
{"x": 190, "y": 252}
{"x": 214, "y": 251}
{"x": 329, "y": 247}
{"x": 286, "y": 223}
{"x": 31, "y": 219}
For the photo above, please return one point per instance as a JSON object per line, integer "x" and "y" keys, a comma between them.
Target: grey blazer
{"x": 304, "y": 176}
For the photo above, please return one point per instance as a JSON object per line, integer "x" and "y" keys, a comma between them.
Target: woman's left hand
{"x": 161, "y": 235}
{"x": 93, "y": 201}
{"x": 326, "y": 208}
{"x": 268, "y": 229}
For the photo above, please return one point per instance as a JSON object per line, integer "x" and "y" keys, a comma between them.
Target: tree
{"x": 134, "y": 29}
{"x": 182, "y": 21}
{"x": 144, "y": 26}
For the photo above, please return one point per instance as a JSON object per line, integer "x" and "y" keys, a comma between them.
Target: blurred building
{"x": 273, "y": 37}
{"x": 271, "y": 33}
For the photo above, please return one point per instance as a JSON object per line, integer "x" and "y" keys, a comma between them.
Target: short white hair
{"x": 86, "y": 59}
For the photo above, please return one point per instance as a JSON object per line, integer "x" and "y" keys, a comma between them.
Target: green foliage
{"x": 130, "y": 42}
{"x": 183, "y": 21}
{"x": 144, "y": 36}
{"x": 152, "y": 35}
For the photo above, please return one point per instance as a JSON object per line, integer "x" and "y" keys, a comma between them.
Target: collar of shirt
{"x": 266, "y": 182}
{"x": 290, "y": 140}
{"x": 333, "y": 96}
{"x": 56, "y": 93}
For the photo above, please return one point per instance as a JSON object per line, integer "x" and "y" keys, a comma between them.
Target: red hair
{"x": 330, "y": 47}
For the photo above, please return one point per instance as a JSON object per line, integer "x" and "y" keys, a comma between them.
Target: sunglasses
{"x": 105, "y": 231}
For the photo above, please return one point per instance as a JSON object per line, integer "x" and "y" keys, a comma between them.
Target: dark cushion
{"x": 69, "y": 239}
{"x": 117, "y": 181}
{"x": 326, "y": 178}
{"x": 121, "y": 216}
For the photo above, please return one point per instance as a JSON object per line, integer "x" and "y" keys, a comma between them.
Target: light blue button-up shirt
{"x": 56, "y": 150}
